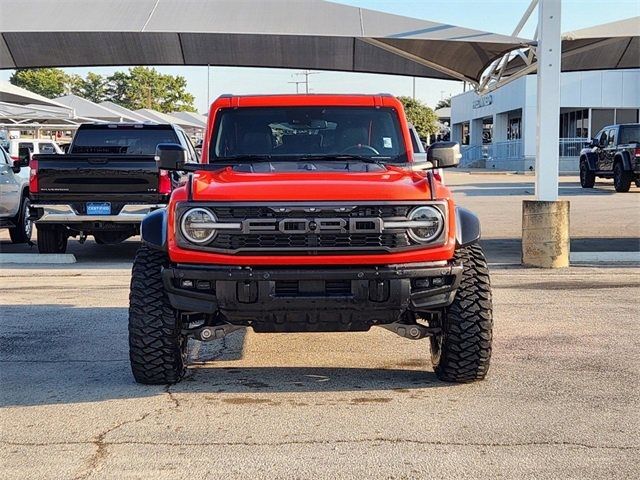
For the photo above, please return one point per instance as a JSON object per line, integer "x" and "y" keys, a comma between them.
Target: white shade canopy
{"x": 159, "y": 117}
{"x": 88, "y": 109}
{"x": 125, "y": 112}
{"x": 268, "y": 33}
{"x": 10, "y": 93}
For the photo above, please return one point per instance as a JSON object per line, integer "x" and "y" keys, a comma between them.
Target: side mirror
{"x": 444, "y": 154}
{"x": 170, "y": 156}
{"x": 24, "y": 157}
{"x": 16, "y": 167}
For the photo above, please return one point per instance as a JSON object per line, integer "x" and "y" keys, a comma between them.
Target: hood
{"x": 230, "y": 185}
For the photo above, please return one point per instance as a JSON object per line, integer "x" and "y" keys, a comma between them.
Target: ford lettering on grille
{"x": 312, "y": 225}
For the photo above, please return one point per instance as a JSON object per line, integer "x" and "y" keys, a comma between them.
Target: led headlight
{"x": 427, "y": 224}
{"x": 197, "y": 225}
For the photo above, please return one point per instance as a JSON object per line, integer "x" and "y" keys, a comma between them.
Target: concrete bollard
{"x": 545, "y": 234}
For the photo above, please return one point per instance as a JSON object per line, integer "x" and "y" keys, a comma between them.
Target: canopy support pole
{"x": 545, "y": 221}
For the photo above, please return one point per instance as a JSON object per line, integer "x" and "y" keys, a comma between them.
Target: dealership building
{"x": 498, "y": 130}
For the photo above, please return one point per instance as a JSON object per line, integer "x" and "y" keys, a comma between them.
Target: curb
{"x": 604, "y": 257}
{"x": 36, "y": 258}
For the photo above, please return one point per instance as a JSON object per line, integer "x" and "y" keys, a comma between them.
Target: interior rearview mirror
{"x": 170, "y": 156}
{"x": 444, "y": 154}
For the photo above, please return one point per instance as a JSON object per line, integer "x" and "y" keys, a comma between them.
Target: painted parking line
{"x": 604, "y": 257}
{"x": 36, "y": 258}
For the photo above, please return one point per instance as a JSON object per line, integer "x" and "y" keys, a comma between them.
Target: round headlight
{"x": 431, "y": 224}
{"x": 196, "y": 225}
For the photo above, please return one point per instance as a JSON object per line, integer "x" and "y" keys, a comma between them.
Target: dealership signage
{"x": 483, "y": 101}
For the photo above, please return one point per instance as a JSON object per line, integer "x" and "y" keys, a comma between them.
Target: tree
{"x": 48, "y": 82}
{"x": 93, "y": 87}
{"x": 446, "y": 102}
{"x": 422, "y": 117}
{"x": 143, "y": 87}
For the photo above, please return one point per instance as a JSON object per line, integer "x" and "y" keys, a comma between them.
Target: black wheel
{"x": 461, "y": 353}
{"x": 157, "y": 348}
{"x": 621, "y": 178}
{"x": 21, "y": 233}
{"x": 52, "y": 239}
{"x": 587, "y": 177}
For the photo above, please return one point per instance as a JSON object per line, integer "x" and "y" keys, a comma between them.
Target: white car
{"x": 14, "y": 200}
{"x": 24, "y": 148}
{"x": 420, "y": 152}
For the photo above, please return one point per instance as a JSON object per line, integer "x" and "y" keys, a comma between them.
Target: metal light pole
{"x": 548, "y": 108}
{"x": 545, "y": 220}
{"x": 208, "y": 85}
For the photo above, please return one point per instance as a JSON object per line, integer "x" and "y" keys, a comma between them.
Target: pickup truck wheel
{"x": 157, "y": 348}
{"x": 461, "y": 353}
{"x": 621, "y": 178}
{"x": 52, "y": 239}
{"x": 21, "y": 233}
{"x": 587, "y": 177}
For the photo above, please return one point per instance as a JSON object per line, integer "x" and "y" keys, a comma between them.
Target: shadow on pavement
{"x": 221, "y": 379}
{"x": 527, "y": 188}
{"x": 58, "y": 354}
{"x": 89, "y": 251}
{"x": 508, "y": 250}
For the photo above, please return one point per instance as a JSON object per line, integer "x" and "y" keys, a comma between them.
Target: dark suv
{"x": 613, "y": 153}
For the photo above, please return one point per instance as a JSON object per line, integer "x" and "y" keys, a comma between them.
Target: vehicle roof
{"x": 32, "y": 140}
{"x": 100, "y": 126}
{"x": 306, "y": 99}
{"x": 621, "y": 125}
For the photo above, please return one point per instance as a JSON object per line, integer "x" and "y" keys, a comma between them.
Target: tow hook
{"x": 411, "y": 331}
{"x": 208, "y": 333}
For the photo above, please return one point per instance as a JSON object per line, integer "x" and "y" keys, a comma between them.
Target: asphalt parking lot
{"x": 561, "y": 400}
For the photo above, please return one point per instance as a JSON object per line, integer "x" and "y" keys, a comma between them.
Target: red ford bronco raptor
{"x": 309, "y": 213}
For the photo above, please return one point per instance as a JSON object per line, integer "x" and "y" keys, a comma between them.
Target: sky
{"x": 498, "y": 16}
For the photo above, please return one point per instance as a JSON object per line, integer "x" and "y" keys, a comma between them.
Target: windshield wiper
{"x": 249, "y": 157}
{"x": 343, "y": 156}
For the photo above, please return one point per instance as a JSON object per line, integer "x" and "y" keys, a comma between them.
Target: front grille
{"x": 229, "y": 241}
{"x": 308, "y": 229}
{"x": 324, "y": 288}
{"x": 239, "y": 212}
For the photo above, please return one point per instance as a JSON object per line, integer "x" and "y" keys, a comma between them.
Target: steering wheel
{"x": 355, "y": 148}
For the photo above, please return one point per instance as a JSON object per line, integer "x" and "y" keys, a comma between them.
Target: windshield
{"x": 629, "y": 134}
{"x": 122, "y": 141}
{"x": 289, "y": 133}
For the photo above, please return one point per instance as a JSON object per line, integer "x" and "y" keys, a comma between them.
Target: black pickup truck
{"x": 613, "y": 153}
{"x": 104, "y": 186}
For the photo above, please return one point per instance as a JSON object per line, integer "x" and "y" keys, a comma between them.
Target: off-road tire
{"x": 157, "y": 348}
{"x": 461, "y": 353}
{"x": 621, "y": 178}
{"x": 52, "y": 239}
{"x": 23, "y": 230}
{"x": 587, "y": 176}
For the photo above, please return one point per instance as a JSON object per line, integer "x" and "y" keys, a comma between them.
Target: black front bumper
{"x": 273, "y": 299}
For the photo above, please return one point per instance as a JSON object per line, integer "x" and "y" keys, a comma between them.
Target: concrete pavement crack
{"x": 101, "y": 441}
{"x": 101, "y": 445}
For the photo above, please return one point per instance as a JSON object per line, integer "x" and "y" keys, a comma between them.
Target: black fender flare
{"x": 624, "y": 158}
{"x": 467, "y": 227}
{"x": 590, "y": 159}
{"x": 154, "y": 229}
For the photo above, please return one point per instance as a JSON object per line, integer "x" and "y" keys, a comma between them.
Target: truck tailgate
{"x": 95, "y": 174}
